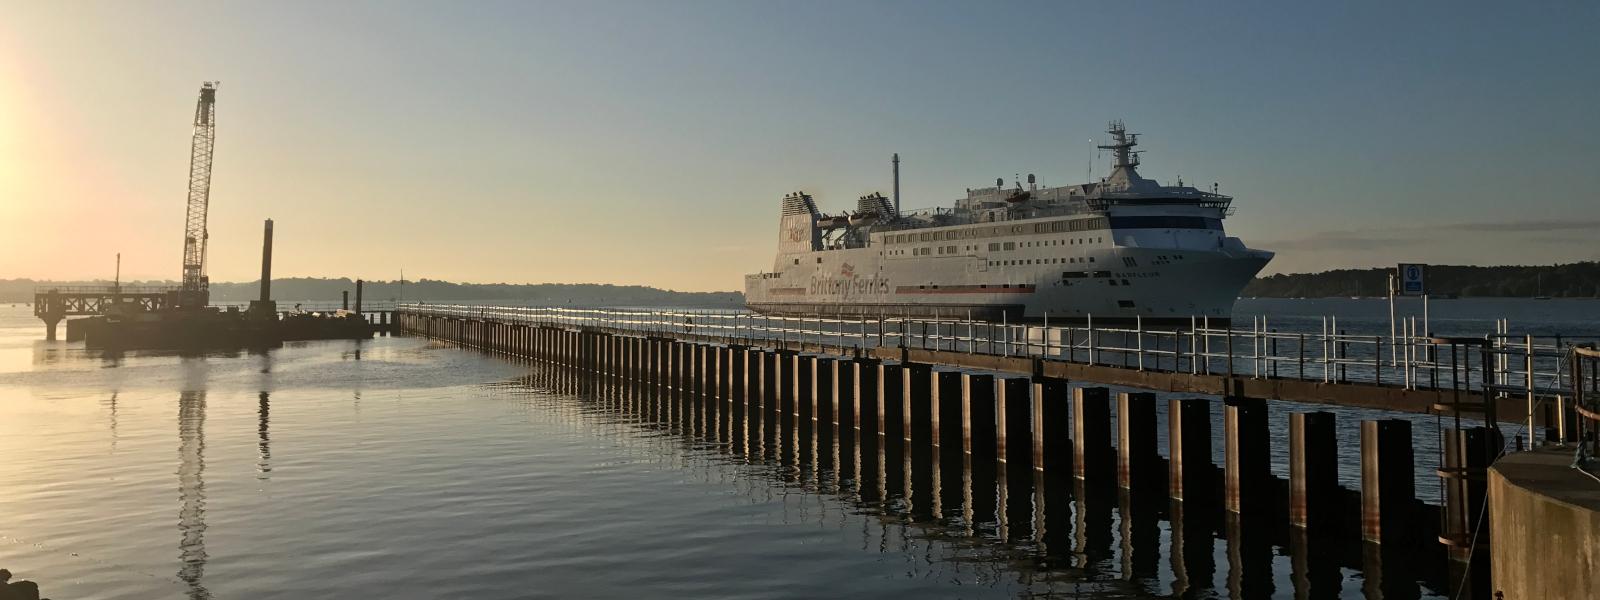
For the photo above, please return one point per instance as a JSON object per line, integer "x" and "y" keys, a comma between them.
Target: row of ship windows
{"x": 997, "y": 231}
{"x": 1040, "y": 261}
{"x": 1168, "y": 222}
{"x": 997, "y": 246}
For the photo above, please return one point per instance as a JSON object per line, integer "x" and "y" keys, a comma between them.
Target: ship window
{"x": 1125, "y": 282}
{"x": 1091, "y": 259}
{"x": 819, "y": 260}
{"x": 926, "y": 237}
{"x": 1011, "y": 245}
{"x": 1112, "y": 281}
{"x": 1124, "y": 304}
{"x": 797, "y": 261}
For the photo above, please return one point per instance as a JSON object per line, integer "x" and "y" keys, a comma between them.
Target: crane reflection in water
{"x": 192, "y": 491}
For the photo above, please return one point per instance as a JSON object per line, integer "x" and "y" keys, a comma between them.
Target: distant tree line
{"x": 425, "y": 290}
{"x": 1576, "y": 280}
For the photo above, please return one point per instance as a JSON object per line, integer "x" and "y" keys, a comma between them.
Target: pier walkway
{"x": 1017, "y": 394}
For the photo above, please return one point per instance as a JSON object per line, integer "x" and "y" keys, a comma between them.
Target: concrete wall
{"x": 1545, "y": 525}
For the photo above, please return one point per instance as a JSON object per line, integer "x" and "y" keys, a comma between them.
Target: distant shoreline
{"x": 1575, "y": 280}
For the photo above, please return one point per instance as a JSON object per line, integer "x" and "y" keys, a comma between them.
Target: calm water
{"x": 401, "y": 468}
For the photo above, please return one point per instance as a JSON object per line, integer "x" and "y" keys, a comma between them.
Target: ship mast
{"x": 1121, "y": 146}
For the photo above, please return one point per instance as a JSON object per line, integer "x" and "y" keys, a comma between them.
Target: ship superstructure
{"x": 1122, "y": 248}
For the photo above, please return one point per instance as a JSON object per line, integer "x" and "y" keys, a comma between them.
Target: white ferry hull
{"x": 1200, "y": 285}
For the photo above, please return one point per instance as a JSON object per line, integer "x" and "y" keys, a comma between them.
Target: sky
{"x": 650, "y": 142}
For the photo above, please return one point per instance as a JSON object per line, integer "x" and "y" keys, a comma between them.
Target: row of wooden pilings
{"x": 1044, "y": 425}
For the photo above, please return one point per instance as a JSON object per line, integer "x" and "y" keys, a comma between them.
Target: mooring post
{"x": 1052, "y": 449}
{"x": 1387, "y": 488}
{"x": 979, "y": 422}
{"x": 1091, "y": 432}
{"x": 1189, "y": 470}
{"x": 1247, "y": 453}
{"x": 1313, "y": 469}
{"x": 1137, "y": 457}
{"x": 1014, "y": 414}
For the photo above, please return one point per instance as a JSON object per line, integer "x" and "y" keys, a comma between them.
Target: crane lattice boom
{"x": 195, "y": 291}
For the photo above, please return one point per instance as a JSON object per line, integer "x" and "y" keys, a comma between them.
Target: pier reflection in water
{"x": 1049, "y": 533}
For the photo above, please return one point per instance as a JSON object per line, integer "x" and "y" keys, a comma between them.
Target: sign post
{"x": 1412, "y": 282}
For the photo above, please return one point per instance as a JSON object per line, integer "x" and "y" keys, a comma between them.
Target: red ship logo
{"x": 848, "y": 270}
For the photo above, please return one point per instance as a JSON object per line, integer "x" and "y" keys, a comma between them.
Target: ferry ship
{"x": 1120, "y": 250}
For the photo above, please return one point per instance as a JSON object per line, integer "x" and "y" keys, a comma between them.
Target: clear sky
{"x": 650, "y": 142}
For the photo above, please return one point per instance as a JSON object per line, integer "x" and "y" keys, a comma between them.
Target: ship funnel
{"x": 897, "y": 184}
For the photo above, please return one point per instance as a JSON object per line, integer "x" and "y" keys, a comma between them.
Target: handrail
{"x": 1518, "y": 366}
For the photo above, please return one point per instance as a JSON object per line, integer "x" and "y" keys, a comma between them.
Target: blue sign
{"x": 1411, "y": 279}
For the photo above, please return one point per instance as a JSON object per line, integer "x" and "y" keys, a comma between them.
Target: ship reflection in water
{"x": 1053, "y": 534}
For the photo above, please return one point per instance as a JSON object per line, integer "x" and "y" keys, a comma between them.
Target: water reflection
{"x": 264, "y": 443}
{"x": 192, "y": 491}
{"x": 997, "y": 523}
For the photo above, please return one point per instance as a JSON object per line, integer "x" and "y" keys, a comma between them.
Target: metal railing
{"x": 320, "y": 306}
{"x": 104, "y": 289}
{"x": 1586, "y": 405}
{"x": 1508, "y": 365}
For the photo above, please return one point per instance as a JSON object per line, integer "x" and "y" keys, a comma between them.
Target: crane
{"x": 194, "y": 292}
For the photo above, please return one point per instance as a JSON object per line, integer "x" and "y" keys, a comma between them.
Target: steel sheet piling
{"x": 946, "y": 406}
{"x": 1091, "y": 433}
{"x": 978, "y": 416}
{"x": 1313, "y": 469}
{"x": 1051, "y": 446}
{"x": 1247, "y": 454}
{"x": 1137, "y": 456}
{"x": 1387, "y": 488}
{"x": 1014, "y": 426}
{"x": 1189, "y": 470}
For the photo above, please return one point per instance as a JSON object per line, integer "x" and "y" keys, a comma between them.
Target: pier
{"x": 1031, "y": 401}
